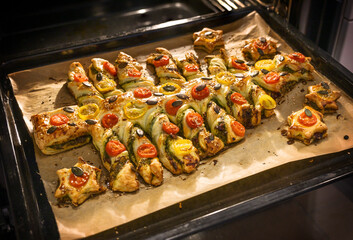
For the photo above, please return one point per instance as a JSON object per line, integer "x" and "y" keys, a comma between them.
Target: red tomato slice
{"x": 191, "y": 68}
{"x": 58, "y": 119}
{"x": 200, "y": 94}
{"x": 109, "y": 120}
{"x": 147, "y": 150}
{"x": 238, "y": 128}
{"x": 261, "y": 45}
{"x": 76, "y": 181}
{"x": 170, "y": 128}
{"x": 241, "y": 66}
{"x": 297, "y": 56}
{"x": 170, "y": 109}
{"x": 142, "y": 92}
{"x": 79, "y": 77}
{"x": 134, "y": 72}
{"x": 161, "y": 61}
{"x": 114, "y": 148}
{"x": 194, "y": 120}
{"x": 237, "y": 98}
{"x": 109, "y": 68}
{"x": 271, "y": 78}
{"x": 306, "y": 120}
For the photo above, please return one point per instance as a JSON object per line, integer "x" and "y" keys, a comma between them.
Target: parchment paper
{"x": 42, "y": 89}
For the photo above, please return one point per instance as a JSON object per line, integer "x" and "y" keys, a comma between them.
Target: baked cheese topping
{"x": 306, "y": 125}
{"x": 322, "y": 98}
{"x": 78, "y": 183}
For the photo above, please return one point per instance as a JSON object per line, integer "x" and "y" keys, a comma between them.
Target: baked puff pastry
{"x": 306, "y": 125}
{"x": 322, "y": 98}
{"x": 79, "y": 86}
{"x": 259, "y": 48}
{"x": 208, "y": 39}
{"x": 78, "y": 183}
{"x": 165, "y": 66}
{"x": 282, "y": 73}
{"x": 227, "y": 71}
{"x": 60, "y": 130}
{"x": 102, "y": 73}
{"x": 130, "y": 73}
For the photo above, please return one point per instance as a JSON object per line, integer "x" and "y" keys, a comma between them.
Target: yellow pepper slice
{"x": 84, "y": 100}
{"x": 225, "y": 78}
{"x": 181, "y": 146}
{"x": 88, "y": 111}
{"x": 267, "y": 102}
{"x": 267, "y": 64}
{"x": 135, "y": 109}
{"x": 105, "y": 85}
{"x": 169, "y": 88}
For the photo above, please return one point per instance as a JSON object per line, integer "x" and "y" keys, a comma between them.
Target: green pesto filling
{"x": 288, "y": 86}
{"x": 79, "y": 141}
{"x": 169, "y": 152}
{"x": 130, "y": 147}
{"x": 220, "y": 134}
{"x": 117, "y": 166}
{"x": 287, "y": 69}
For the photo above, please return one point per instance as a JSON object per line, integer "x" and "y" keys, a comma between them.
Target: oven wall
{"x": 328, "y": 23}
{"x": 343, "y": 50}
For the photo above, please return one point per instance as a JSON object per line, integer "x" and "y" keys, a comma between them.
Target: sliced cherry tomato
{"x": 79, "y": 77}
{"x": 171, "y": 108}
{"x": 147, "y": 150}
{"x": 114, "y": 148}
{"x": 134, "y": 73}
{"x": 306, "y": 120}
{"x": 266, "y": 64}
{"x": 170, "y": 128}
{"x": 271, "y": 78}
{"x": 58, "y": 119}
{"x": 77, "y": 181}
{"x": 237, "y": 98}
{"x": 191, "y": 68}
{"x": 267, "y": 102}
{"x": 181, "y": 146}
{"x": 109, "y": 120}
{"x": 200, "y": 92}
{"x": 261, "y": 44}
{"x": 142, "y": 92}
{"x": 135, "y": 109}
{"x": 225, "y": 78}
{"x": 88, "y": 111}
{"x": 105, "y": 85}
{"x": 109, "y": 68}
{"x": 238, "y": 65}
{"x": 238, "y": 128}
{"x": 161, "y": 61}
{"x": 194, "y": 120}
{"x": 297, "y": 56}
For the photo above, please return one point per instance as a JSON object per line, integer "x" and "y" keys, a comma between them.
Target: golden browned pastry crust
{"x": 259, "y": 48}
{"x": 169, "y": 72}
{"x": 54, "y": 139}
{"x": 208, "y": 39}
{"x": 322, "y": 98}
{"x": 83, "y": 91}
{"x": 286, "y": 69}
{"x": 68, "y": 191}
{"x": 306, "y": 134}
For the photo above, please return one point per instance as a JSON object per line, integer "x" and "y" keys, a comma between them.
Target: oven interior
{"x": 41, "y": 27}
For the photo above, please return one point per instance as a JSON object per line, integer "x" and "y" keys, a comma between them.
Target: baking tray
{"x": 32, "y": 213}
